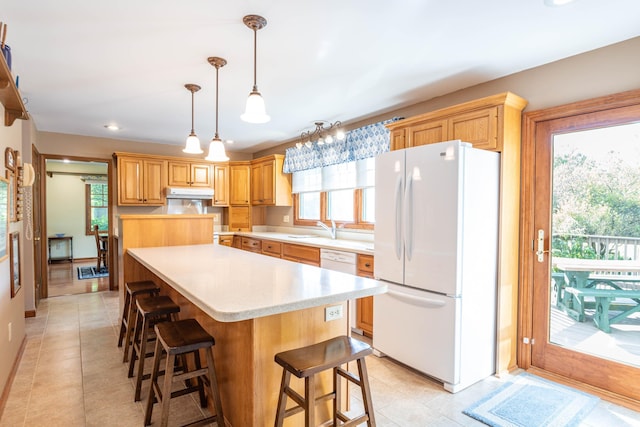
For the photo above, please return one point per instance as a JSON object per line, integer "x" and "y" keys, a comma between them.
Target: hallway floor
{"x": 71, "y": 374}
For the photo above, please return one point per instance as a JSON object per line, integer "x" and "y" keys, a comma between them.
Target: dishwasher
{"x": 344, "y": 262}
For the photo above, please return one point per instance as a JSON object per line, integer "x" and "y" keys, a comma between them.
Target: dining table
{"x": 605, "y": 281}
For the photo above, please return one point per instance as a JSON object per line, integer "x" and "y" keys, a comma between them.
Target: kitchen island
{"x": 255, "y": 307}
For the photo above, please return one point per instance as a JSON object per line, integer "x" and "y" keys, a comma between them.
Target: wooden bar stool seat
{"x": 151, "y": 311}
{"x": 307, "y": 361}
{"x": 132, "y": 291}
{"x": 180, "y": 338}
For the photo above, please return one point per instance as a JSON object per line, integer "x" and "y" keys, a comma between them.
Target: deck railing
{"x": 596, "y": 247}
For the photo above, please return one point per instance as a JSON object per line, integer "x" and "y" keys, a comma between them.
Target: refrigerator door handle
{"x": 398, "y": 213}
{"x": 408, "y": 212}
{"x": 417, "y": 301}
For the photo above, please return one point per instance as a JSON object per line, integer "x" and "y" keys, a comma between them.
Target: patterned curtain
{"x": 367, "y": 141}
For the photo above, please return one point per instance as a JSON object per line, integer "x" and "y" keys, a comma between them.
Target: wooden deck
{"x": 622, "y": 344}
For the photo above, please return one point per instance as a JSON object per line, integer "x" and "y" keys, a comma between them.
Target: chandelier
{"x": 324, "y": 133}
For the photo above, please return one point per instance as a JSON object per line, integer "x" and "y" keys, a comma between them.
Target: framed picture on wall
{"x": 14, "y": 249}
{"x": 13, "y": 196}
{"x": 4, "y": 218}
{"x": 9, "y": 159}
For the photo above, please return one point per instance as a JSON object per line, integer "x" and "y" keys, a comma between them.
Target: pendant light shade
{"x": 193, "y": 143}
{"x": 255, "y": 111}
{"x": 216, "y": 147}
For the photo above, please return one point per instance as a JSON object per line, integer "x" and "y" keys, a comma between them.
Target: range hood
{"x": 189, "y": 193}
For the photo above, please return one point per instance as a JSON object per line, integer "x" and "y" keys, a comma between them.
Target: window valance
{"x": 361, "y": 143}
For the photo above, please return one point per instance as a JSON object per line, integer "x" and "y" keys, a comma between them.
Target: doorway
{"x": 74, "y": 198}
{"x": 580, "y": 250}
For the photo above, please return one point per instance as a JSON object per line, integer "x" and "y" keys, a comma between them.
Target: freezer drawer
{"x": 419, "y": 329}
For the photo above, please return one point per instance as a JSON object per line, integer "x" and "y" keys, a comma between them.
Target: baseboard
{"x": 29, "y": 313}
{"x": 7, "y": 387}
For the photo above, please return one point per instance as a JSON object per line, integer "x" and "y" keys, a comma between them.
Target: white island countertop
{"x": 231, "y": 285}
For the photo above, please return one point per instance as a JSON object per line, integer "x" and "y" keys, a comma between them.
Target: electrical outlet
{"x": 332, "y": 313}
{"x": 9, "y": 331}
{"x": 285, "y": 218}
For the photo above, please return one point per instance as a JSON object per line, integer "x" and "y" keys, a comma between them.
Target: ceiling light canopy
{"x": 193, "y": 143}
{"x": 557, "y": 2}
{"x": 255, "y": 111}
{"x": 216, "y": 147}
{"x": 322, "y": 134}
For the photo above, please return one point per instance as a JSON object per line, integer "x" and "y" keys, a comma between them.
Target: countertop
{"x": 232, "y": 285}
{"x": 357, "y": 246}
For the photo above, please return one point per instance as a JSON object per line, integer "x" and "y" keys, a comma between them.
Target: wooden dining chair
{"x": 102, "y": 250}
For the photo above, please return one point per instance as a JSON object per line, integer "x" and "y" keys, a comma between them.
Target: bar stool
{"x": 132, "y": 291}
{"x": 307, "y": 361}
{"x": 180, "y": 338}
{"x": 151, "y": 311}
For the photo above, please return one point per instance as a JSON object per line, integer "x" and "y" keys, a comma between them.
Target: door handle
{"x": 540, "y": 252}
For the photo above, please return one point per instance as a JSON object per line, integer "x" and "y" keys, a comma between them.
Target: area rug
{"x": 531, "y": 401}
{"x": 91, "y": 273}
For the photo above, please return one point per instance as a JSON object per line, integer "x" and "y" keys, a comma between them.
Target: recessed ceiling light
{"x": 554, "y": 3}
{"x": 112, "y": 127}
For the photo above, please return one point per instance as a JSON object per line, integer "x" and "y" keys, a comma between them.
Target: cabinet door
{"x": 221, "y": 185}
{"x": 179, "y": 174}
{"x": 154, "y": 182}
{"x": 397, "y": 139}
{"x": 239, "y": 184}
{"x": 201, "y": 175}
{"x": 364, "y": 306}
{"x": 480, "y": 128}
{"x": 257, "y": 181}
{"x": 239, "y": 218}
{"x": 130, "y": 181}
{"x": 427, "y": 133}
{"x": 269, "y": 183}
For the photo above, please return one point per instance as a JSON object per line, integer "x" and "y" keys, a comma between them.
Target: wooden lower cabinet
{"x": 251, "y": 245}
{"x": 303, "y": 254}
{"x": 364, "y": 306}
{"x": 237, "y": 242}
{"x": 225, "y": 240}
{"x": 271, "y": 248}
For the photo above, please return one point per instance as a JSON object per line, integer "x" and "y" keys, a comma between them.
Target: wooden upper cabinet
{"x": 397, "y": 139}
{"x": 239, "y": 185}
{"x": 141, "y": 181}
{"x": 189, "y": 174}
{"x": 269, "y": 185}
{"x": 221, "y": 185}
{"x": 485, "y": 123}
{"x": 480, "y": 128}
{"x": 426, "y": 133}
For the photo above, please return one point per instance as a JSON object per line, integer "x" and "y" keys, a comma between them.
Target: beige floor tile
{"x": 71, "y": 363}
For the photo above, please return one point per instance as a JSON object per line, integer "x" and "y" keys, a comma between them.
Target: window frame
{"x": 88, "y": 207}
{"x": 358, "y": 224}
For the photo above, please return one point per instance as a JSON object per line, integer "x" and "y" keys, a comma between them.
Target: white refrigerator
{"x": 436, "y": 243}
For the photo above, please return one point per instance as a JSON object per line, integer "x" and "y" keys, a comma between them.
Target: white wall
{"x": 11, "y": 309}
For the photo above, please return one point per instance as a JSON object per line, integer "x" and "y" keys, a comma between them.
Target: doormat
{"x": 91, "y": 273}
{"x": 531, "y": 401}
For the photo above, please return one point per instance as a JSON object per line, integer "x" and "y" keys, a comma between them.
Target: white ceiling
{"x": 85, "y": 64}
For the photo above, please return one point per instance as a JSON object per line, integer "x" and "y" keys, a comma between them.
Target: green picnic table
{"x": 604, "y": 297}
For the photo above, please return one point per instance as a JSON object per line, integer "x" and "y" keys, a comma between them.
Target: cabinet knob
{"x": 367, "y": 265}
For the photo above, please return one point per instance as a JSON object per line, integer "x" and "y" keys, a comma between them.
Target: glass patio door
{"x": 586, "y": 268}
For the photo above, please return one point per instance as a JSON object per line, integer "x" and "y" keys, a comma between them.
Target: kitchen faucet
{"x": 331, "y": 229}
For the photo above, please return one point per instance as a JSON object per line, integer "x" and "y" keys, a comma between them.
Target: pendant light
{"x": 216, "y": 147}
{"x": 255, "y": 111}
{"x": 193, "y": 143}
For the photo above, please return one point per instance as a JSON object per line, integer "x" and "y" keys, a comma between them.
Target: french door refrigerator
{"x": 436, "y": 243}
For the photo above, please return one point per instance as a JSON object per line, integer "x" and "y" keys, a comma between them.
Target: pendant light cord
{"x": 217, "y": 70}
{"x": 255, "y": 59}
{"x": 192, "y": 114}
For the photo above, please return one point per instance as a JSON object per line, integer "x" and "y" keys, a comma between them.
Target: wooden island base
{"x": 244, "y": 351}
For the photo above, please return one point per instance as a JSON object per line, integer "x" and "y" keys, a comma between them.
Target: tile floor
{"x": 71, "y": 374}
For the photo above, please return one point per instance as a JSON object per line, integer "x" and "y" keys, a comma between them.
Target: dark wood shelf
{"x": 10, "y": 96}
